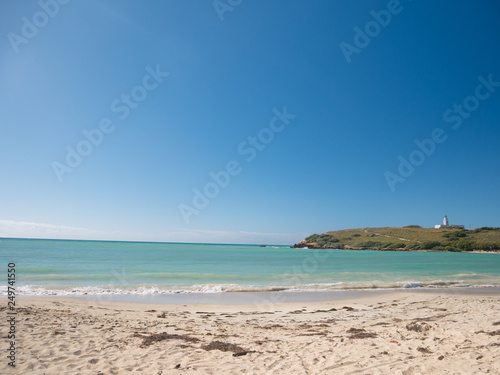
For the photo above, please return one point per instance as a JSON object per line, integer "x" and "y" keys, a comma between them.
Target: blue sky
{"x": 198, "y": 81}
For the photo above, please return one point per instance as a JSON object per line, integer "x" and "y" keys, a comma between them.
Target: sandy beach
{"x": 396, "y": 333}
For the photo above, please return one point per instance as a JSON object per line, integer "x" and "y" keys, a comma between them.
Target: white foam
{"x": 410, "y": 285}
{"x": 36, "y": 290}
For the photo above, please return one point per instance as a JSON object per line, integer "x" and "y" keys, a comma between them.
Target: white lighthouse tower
{"x": 447, "y": 224}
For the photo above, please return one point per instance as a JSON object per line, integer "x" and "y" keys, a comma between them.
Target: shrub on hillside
{"x": 455, "y": 235}
{"x": 429, "y": 245}
{"x": 312, "y": 238}
{"x": 485, "y": 246}
{"x": 371, "y": 244}
{"x": 463, "y": 244}
{"x": 397, "y": 246}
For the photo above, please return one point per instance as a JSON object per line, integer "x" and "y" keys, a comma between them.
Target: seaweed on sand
{"x": 155, "y": 337}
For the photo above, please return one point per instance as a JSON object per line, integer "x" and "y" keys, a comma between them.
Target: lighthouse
{"x": 446, "y": 223}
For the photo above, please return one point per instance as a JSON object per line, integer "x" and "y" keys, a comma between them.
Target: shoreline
{"x": 258, "y": 298}
{"x": 400, "y": 250}
{"x": 397, "y": 333}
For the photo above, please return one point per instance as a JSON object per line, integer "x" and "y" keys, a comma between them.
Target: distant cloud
{"x": 25, "y": 229}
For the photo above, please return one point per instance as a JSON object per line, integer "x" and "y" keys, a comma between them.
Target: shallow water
{"x": 60, "y": 267}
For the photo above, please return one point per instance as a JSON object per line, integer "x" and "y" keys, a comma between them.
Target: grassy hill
{"x": 412, "y": 237}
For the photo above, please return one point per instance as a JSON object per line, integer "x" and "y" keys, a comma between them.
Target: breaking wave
{"x": 36, "y": 290}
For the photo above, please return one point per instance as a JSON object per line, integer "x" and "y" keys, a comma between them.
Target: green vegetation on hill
{"x": 411, "y": 237}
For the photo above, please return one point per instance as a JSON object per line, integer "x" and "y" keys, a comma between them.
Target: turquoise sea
{"x": 63, "y": 267}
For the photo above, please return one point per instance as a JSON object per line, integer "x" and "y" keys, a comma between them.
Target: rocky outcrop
{"x": 314, "y": 245}
{"x": 311, "y": 245}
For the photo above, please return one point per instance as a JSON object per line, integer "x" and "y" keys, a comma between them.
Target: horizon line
{"x": 132, "y": 241}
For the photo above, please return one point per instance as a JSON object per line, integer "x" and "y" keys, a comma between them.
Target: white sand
{"x": 399, "y": 333}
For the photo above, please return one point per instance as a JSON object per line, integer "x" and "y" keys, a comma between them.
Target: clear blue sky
{"x": 355, "y": 113}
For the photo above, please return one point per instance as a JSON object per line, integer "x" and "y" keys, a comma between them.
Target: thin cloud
{"x": 26, "y": 229}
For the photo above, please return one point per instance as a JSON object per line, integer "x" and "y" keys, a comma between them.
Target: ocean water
{"x": 60, "y": 267}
